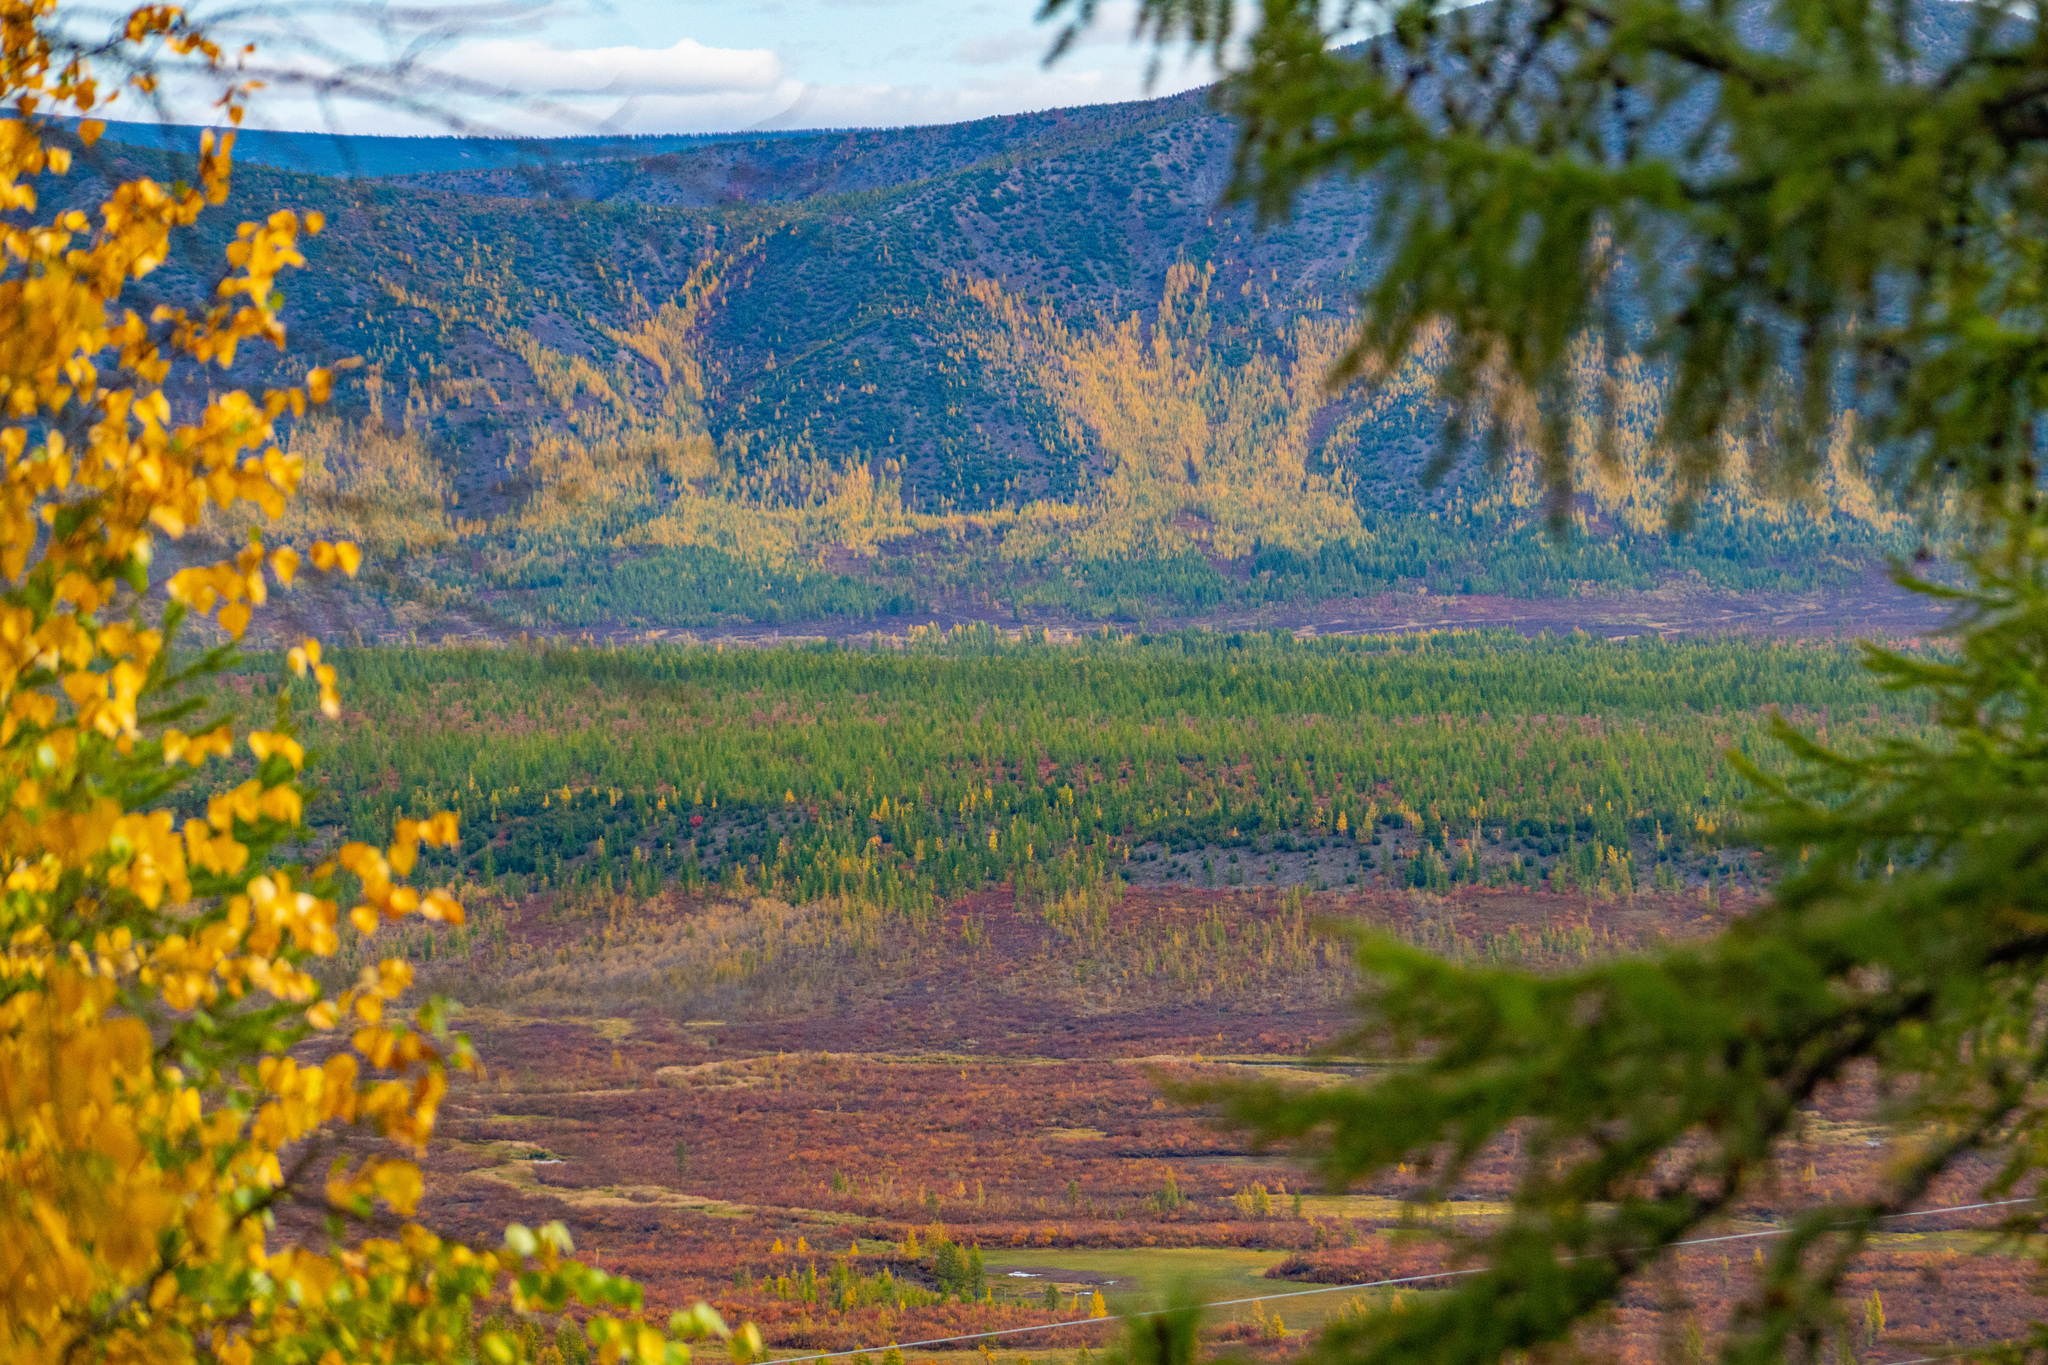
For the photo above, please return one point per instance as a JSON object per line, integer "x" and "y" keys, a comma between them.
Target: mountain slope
{"x": 1022, "y": 360}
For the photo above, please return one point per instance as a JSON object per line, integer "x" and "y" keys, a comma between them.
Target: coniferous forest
{"x": 907, "y": 776}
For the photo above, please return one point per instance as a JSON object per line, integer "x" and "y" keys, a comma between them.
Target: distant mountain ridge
{"x": 374, "y": 156}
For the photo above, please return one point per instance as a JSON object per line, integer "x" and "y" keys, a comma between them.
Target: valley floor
{"x": 797, "y": 1134}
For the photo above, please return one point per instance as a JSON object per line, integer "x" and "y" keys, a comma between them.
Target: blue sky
{"x": 645, "y": 66}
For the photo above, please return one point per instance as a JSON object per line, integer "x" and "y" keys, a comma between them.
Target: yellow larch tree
{"x": 154, "y": 976}
{"x": 1194, "y": 449}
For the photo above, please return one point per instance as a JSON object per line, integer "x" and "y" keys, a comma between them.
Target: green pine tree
{"x": 1544, "y": 229}
{"x": 947, "y": 1266}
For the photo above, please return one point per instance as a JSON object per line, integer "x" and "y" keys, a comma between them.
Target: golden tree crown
{"x": 153, "y": 973}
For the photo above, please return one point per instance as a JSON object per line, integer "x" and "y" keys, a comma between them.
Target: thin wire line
{"x": 1368, "y": 1284}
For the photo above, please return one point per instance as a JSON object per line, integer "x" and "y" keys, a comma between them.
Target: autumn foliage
{"x": 153, "y": 978}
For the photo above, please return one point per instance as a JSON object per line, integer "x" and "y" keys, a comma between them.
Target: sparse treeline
{"x": 1463, "y": 549}
{"x": 901, "y": 776}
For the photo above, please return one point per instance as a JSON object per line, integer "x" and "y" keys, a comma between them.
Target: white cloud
{"x": 688, "y": 68}
{"x": 1003, "y": 47}
{"x": 1115, "y": 22}
{"x": 874, "y": 106}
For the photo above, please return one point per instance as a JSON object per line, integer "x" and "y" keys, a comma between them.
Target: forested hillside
{"x": 1024, "y": 366}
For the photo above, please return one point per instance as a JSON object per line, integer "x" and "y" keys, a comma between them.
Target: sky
{"x": 645, "y": 66}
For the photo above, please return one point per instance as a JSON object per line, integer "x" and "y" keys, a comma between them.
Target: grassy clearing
{"x": 610, "y": 1028}
{"x": 1379, "y": 1208}
{"x": 1141, "y": 1279}
{"x": 520, "y": 1175}
{"x": 516, "y": 1171}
